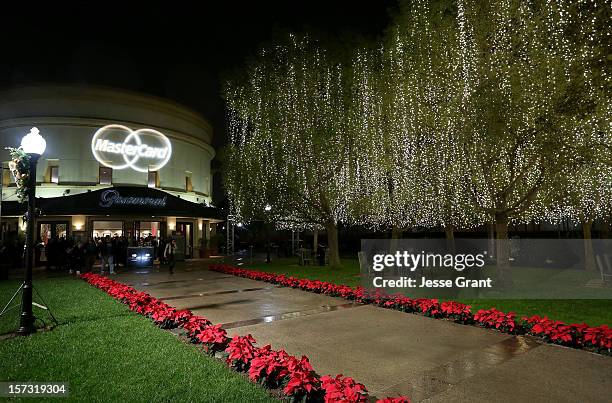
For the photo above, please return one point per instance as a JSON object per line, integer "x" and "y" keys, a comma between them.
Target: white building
{"x": 150, "y": 155}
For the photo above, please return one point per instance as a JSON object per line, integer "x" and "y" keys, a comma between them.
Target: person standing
{"x": 116, "y": 242}
{"x": 77, "y": 256}
{"x": 161, "y": 250}
{"x": 108, "y": 255}
{"x": 90, "y": 254}
{"x": 321, "y": 255}
{"x": 169, "y": 253}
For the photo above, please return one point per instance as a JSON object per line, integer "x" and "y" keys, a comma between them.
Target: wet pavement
{"x": 391, "y": 352}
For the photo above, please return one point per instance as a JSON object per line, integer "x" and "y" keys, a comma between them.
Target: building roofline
{"x": 95, "y": 92}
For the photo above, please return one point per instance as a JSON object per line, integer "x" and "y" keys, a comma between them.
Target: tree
{"x": 290, "y": 146}
{"x": 468, "y": 112}
{"x": 585, "y": 191}
{"x": 408, "y": 101}
{"x": 515, "y": 136}
{"x": 483, "y": 96}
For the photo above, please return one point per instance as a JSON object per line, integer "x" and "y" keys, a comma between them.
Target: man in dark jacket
{"x": 108, "y": 255}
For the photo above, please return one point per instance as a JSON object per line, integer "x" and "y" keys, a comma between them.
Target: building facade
{"x": 116, "y": 163}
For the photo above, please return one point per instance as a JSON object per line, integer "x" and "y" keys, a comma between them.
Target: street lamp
{"x": 267, "y": 209}
{"x": 34, "y": 145}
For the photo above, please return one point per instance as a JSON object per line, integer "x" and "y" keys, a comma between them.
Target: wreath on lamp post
{"x": 20, "y": 168}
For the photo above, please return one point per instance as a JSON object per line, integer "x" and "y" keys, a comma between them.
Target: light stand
{"x": 267, "y": 210}
{"x": 26, "y": 321}
{"x": 33, "y": 144}
{"x": 267, "y": 242}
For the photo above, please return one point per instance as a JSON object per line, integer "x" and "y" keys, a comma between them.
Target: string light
{"x": 464, "y": 112}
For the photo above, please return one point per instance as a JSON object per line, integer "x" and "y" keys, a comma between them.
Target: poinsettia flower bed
{"x": 597, "y": 339}
{"x": 274, "y": 369}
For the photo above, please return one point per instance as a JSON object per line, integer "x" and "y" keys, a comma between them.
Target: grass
{"x": 591, "y": 311}
{"x": 108, "y": 353}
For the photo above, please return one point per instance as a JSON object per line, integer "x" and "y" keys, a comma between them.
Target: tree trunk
{"x": 492, "y": 253}
{"x": 315, "y": 240}
{"x": 396, "y": 232}
{"x": 502, "y": 249}
{"x": 589, "y": 258}
{"x": 605, "y": 229}
{"x": 449, "y": 231}
{"x": 332, "y": 241}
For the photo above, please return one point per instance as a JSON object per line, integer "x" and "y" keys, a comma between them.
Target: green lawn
{"x": 592, "y": 311}
{"x": 108, "y": 353}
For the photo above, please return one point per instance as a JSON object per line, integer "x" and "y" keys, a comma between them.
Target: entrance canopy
{"x": 119, "y": 200}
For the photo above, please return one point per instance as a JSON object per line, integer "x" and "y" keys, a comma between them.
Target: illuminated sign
{"x": 119, "y": 147}
{"x": 111, "y": 197}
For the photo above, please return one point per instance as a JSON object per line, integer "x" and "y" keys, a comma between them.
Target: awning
{"x": 118, "y": 200}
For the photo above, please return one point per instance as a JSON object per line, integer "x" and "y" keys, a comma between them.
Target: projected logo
{"x": 119, "y": 147}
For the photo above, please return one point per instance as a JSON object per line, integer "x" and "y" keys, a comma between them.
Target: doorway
{"x": 184, "y": 238}
{"x": 146, "y": 229}
{"x": 101, "y": 229}
{"x": 52, "y": 237}
{"x": 52, "y": 229}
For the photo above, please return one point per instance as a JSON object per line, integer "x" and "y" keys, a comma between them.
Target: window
{"x": 106, "y": 176}
{"x": 6, "y": 177}
{"x": 54, "y": 174}
{"x": 152, "y": 181}
{"x": 188, "y": 184}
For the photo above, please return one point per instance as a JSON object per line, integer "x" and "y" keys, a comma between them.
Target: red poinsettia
{"x": 241, "y": 351}
{"x": 213, "y": 337}
{"x": 180, "y": 317}
{"x": 343, "y": 389}
{"x": 303, "y": 381}
{"x": 599, "y": 337}
{"x": 161, "y": 315}
{"x": 429, "y": 307}
{"x": 456, "y": 311}
{"x": 401, "y": 399}
{"x": 573, "y": 335}
{"x": 194, "y": 325}
{"x": 269, "y": 367}
{"x": 492, "y": 318}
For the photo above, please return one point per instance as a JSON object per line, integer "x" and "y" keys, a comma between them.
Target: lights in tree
{"x": 466, "y": 113}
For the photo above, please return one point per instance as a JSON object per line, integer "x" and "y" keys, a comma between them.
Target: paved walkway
{"x": 391, "y": 352}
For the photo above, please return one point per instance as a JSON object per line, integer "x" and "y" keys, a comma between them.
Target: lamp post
{"x": 267, "y": 209}
{"x": 34, "y": 145}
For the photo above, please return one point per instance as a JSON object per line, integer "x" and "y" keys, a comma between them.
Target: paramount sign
{"x": 119, "y": 147}
{"x": 111, "y": 197}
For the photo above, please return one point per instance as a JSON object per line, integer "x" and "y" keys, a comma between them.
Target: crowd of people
{"x": 76, "y": 256}
{"x": 11, "y": 253}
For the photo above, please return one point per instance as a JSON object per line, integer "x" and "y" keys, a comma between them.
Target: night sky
{"x": 171, "y": 49}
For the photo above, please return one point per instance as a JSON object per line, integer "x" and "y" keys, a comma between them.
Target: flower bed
{"x": 275, "y": 369}
{"x": 597, "y": 339}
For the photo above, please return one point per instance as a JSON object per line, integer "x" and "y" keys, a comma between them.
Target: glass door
{"x": 52, "y": 230}
{"x": 51, "y": 242}
{"x": 184, "y": 240}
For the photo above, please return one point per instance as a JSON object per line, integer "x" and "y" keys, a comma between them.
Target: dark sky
{"x": 174, "y": 49}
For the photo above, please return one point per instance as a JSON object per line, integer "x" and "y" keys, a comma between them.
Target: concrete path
{"x": 391, "y": 352}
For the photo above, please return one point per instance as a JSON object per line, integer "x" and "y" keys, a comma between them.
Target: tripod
{"x": 7, "y": 308}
